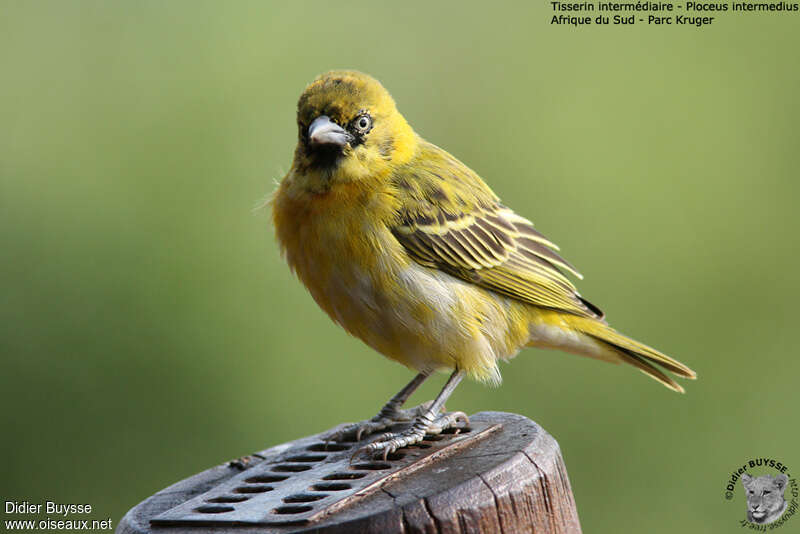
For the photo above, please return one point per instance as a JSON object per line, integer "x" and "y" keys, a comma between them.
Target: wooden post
{"x": 504, "y": 474}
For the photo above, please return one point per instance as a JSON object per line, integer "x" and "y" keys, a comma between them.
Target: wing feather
{"x": 450, "y": 220}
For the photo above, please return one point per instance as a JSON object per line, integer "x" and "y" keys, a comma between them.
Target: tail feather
{"x": 649, "y": 369}
{"x": 614, "y": 338}
{"x": 637, "y": 354}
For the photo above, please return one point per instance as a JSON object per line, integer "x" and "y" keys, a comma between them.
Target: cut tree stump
{"x": 502, "y": 474}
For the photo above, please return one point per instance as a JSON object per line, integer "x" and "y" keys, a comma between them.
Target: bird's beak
{"x": 323, "y": 131}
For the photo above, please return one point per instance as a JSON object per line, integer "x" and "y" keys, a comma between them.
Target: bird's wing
{"x": 449, "y": 219}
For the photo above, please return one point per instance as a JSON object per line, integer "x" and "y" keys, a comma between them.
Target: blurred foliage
{"x": 149, "y": 329}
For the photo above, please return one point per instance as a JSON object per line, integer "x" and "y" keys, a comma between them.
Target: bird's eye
{"x": 362, "y": 124}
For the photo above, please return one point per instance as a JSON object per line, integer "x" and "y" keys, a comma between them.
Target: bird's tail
{"x": 594, "y": 338}
{"x": 646, "y": 359}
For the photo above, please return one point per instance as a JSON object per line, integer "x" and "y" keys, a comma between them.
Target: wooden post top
{"x": 504, "y": 474}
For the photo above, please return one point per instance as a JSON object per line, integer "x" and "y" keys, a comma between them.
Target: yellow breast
{"x": 340, "y": 247}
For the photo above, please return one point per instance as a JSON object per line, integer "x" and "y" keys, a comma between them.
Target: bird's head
{"x": 349, "y": 129}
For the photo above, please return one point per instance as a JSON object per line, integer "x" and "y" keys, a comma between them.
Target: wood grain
{"x": 513, "y": 481}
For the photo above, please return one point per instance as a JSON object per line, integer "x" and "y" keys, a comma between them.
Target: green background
{"x": 149, "y": 328}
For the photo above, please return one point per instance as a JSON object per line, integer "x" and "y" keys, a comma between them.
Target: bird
{"x": 408, "y": 249}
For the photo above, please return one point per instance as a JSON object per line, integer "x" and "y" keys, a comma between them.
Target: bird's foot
{"x": 386, "y": 418}
{"x": 424, "y": 424}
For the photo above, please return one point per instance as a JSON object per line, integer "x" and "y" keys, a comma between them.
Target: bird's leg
{"x": 429, "y": 421}
{"x": 389, "y": 415}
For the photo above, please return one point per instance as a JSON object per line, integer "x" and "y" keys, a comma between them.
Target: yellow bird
{"x": 409, "y": 250}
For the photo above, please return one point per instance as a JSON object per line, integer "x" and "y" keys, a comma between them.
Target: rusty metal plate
{"x": 311, "y": 480}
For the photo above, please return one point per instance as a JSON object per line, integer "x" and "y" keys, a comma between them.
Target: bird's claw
{"x": 390, "y": 442}
{"x": 449, "y": 420}
{"x": 355, "y": 431}
{"x": 382, "y": 421}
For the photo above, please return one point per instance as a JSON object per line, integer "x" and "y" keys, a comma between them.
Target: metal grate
{"x": 311, "y": 480}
